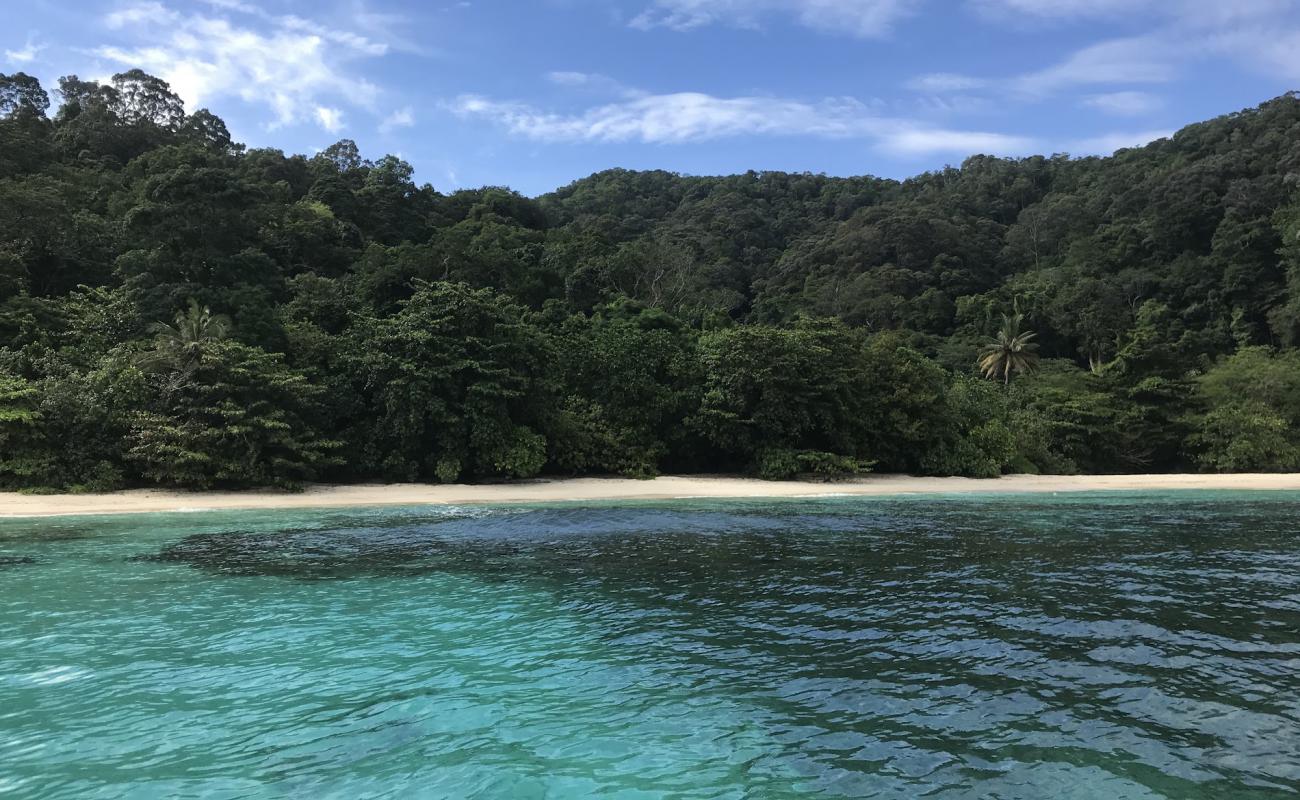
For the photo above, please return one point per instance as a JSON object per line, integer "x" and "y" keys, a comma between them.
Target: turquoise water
{"x": 1102, "y": 646}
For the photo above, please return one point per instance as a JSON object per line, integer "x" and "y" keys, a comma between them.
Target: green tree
{"x": 630, "y": 376}
{"x": 1251, "y": 420}
{"x": 1246, "y": 436}
{"x": 1012, "y": 350}
{"x": 454, "y": 386}
{"x": 241, "y": 418}
{"x": 777, "y": 401}
{"x": 23, "y": 461}
{"x": 20, "y": 93}
{"x": 179, "y": 349}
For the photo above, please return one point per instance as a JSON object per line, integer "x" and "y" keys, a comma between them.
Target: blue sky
{"x": 536, "y": 94}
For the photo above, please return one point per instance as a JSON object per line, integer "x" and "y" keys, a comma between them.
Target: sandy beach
{"x": 583, "y": 489}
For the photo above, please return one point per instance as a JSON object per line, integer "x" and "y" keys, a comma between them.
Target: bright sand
{"x": 583, "y": 489}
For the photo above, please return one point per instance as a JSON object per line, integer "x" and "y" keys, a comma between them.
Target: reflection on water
{"x": 1087, "y": 647}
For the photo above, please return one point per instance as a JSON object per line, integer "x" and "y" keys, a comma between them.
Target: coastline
{"x": 669, "y": 487}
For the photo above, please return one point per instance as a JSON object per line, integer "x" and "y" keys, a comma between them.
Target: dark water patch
{"x": 840, "y": 542}
{"x": 33, "y": 531}
{"x": 319, "y": 554}
{"x": 15, "y": 561}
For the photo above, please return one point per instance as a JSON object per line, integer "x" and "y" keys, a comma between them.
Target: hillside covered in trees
{"x": 176, "y": 308}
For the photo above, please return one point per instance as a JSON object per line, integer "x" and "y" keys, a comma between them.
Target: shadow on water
{"x": 844, "y": 543}
{"x": 45, "y": 532}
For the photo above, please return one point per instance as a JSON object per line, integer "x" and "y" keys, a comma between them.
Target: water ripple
{"x": 1127, "y": 648}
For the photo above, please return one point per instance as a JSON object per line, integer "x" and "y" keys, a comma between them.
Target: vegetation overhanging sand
{"x": 584, "y": 489}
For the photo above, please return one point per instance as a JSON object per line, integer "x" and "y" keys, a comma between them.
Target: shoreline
{"x": 577, "y": 490}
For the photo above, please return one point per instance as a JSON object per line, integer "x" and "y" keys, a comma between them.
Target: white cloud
{"x": 1108, "y": 143}
{"x": 1135, "y": 60}
{"x": 1062, "y": 9}
{"x": 689, "y": 117}
{"x": 331, "y": 119}
{"x": 569, "y": 78}
{"x": 950, "y": 104}
{"x": 1143, "y": 59}
{"x": 1196, "y": 12}
{"x": 946, "y": 82}
{"x": 591, "y": 82}
{"x": 141, "y": 13}
{"x": 1262, "y": 35}
{"x": 27, "y": 54}
{"x": 863, "y": 18}
{"x": 675, "y": 118}
{"x": 1124, "y": 104}
{"x": 1271, "y": 51}
{"x": 686, "y": 117}
{"x": 291, "y": 65}
{"x": 292, "y": 22}
{"x": 927, "y": 141}
{"x": 401, "y": 118}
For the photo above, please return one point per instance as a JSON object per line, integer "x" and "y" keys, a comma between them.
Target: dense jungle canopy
{"x": 179, "y": 309}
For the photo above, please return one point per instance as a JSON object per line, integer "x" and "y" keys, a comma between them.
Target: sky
{"x": 536, "y": 94}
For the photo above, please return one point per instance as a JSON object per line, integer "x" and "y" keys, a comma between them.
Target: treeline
{"x": 177, "y": 309}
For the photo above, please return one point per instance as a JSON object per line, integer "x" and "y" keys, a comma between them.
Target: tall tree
{"x": 21, "y": 93}
{"x": 1012, "y": 350}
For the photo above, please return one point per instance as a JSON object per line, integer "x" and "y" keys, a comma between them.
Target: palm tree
{"x": 179, "y": 348}
{"x": 1011, "y": 351}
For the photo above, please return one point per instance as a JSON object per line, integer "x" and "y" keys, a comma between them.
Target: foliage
{"x": 454, "y": 383}
{"x": 240, "y": 417}
{"x": 1253, "y": 419}
{"x": 1010, "y": 351}
{"x": 178, "y": 309}
{"x": 630, "y": 376}
{"x": 801, "y": 389}
{"x": 1246, "y": 437}
{"x": 22, "y": 463}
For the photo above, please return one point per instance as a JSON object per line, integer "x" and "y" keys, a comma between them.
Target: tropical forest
{"x": 179, "y": 309}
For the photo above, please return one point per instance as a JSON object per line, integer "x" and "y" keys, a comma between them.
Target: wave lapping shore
{"x": 592, "y": 489}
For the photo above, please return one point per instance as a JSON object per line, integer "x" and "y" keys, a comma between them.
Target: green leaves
{"x": 1246, "y": 437}
{"x": 771, "y": 389}
{"x": 632, "y": 322}
{"x": 1252, "y": 421}
{"x": 240, "y": 418}
{"x": 456, "y": 386}
{"x": 1012, "y": 350}
{"x": 630, "y": 379}
{"x": 21, "y": 464}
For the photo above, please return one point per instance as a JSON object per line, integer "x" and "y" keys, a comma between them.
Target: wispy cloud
{"x": 27, "y": 54}
{"x": 675, "y": 118}
{"x": 1135, "y": 60}
{"x": 292, "y": 22}
{"x": 1124, "y": 104}
{"x": 684, "y": 118}
{"x": 1263, "y": 34}
{"x": 1203, "y": 12}
{"x": 687, "y": 117}
{"x": 862, "y": 18}
{"x": 401, "y": 118}
{"x": 297, "y": 68}
{"x": 1021, "y": 10}
{"x": 914, "y": 141}
{"x": 946, "y": 82}
{"x": 1107, "y": 144}
{"x": 331, "y": 119}
{"x": 591, "y": 82}
{"x": 570, "y": 78}
{"x": 1141, "y": 59}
